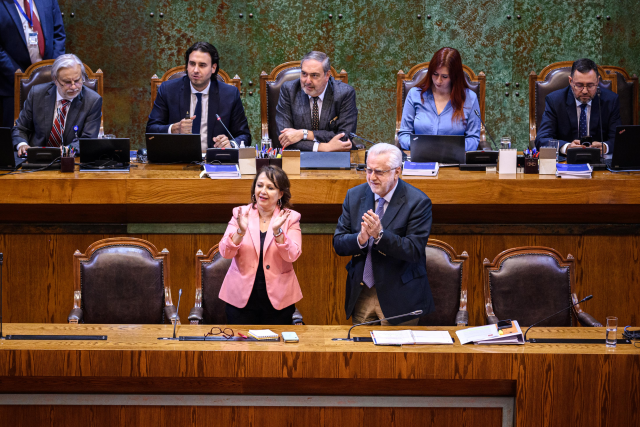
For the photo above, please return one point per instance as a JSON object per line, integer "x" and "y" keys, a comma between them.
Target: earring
{"x": 253, "y": 198}
{"x": 280, "y": 203}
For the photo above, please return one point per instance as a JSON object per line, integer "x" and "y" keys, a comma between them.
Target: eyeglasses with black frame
{"x": 226, "y": 332}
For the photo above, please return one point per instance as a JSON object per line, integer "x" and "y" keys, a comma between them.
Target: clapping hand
{"x": 243, "y": 220}
{"x": 279, "y": 221}
{"x": 371, "y": 223}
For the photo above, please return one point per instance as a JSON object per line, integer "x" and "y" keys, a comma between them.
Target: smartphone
{"x": 586, "y": 141}
{"x": 504, "y": 324}
{"x": 290, "y": 337}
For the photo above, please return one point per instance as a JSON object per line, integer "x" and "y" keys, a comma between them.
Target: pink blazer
{"x": 282, "y": 284}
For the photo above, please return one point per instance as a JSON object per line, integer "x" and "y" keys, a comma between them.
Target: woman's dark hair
{"x": 280, "y": 180}
{"x": 450, "y": 58}
{"x": 205, "y": 48}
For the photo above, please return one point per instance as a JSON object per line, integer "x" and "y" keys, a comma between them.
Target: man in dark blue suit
{"x": 575, "y": 112}
{"x": 190, "y": 104}
{"x": 384, "y": 227}
{"x": 30, "y": 31}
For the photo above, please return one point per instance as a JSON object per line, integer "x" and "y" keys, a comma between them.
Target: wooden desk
{"x": 552, "y": 384}
{"x": 46, "y": 216}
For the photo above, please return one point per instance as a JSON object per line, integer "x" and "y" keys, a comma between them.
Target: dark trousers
{"x": 6, "y": 111}
{"x": 259, "y": 311}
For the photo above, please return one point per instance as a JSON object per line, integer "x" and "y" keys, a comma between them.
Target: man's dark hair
{"x": 584, "y": 65}
{"x": 206, "y": 48}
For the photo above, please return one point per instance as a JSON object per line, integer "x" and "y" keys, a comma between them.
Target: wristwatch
{"x": 279, "y": 233}
{"x": 379, "y": 237}
{"x": 239, "y": 233}
{"x": 305, "y": 133}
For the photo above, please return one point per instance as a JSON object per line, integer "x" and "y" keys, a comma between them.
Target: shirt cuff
{"x": 315, "y": 146}
{"x": 20, "y": 145}
{"x": 366, "y": 242}
{"x": 169, "y": 128}
{"x": 563, "y": 149}
{"x": 606, "y": 148}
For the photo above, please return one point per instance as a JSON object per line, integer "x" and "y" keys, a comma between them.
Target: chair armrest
{"x": 588, "y": 320}
{"x": 493, "y": 320}
{"x": 195, "y": 315}
{"x": 171, "y": 313}
{"x": 297, "y": 317}
{"x": 462, "y": 318}
{"x": 75, "y": 316}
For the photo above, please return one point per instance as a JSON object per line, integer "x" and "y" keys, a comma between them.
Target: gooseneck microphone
{"x": 353, "y": 135}
{"x": 485, "y": 128}
{"x": 177, "y": 315}
{"x": 348, "y": 338}
{"x": 234, "y": 143}
{"x": 587, "y": 298}
{"x": 600, "y": 122}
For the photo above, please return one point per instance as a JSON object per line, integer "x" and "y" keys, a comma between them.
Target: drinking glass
{"x": 505, "y": 142}
{"x": 611, "y": 338}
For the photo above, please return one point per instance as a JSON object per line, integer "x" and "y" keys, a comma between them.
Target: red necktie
{"x": 57, "y": 130}
{"x": 36, "y": 26}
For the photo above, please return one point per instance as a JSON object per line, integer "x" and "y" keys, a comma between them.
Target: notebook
{"x": 263, "y": 334}
{"x": 411, "y": 337}
{"x": 220, "y": 171}
{"x": 420, "y": 169}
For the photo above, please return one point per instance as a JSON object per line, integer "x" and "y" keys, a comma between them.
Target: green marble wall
{"x": 372, "y": 41}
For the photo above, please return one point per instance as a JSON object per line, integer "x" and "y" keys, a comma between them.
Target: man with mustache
{"x": 53, "y": 110}
{"x": 316, "y": 112}
{"x": 190, "y": 104}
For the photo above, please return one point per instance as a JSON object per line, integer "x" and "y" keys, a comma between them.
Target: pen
{"x": 242, "y": 335}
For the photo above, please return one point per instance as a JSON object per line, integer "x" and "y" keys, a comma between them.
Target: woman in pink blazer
{"x": 264, "y": 240}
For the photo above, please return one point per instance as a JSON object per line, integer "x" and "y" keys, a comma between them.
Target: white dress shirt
{"x": 320, "y": 100}
{"x": 34, "y": 50}
{"x": 204, "y": 144}
{"x": 387, "y": 198}
{"x": 563, "y": 149}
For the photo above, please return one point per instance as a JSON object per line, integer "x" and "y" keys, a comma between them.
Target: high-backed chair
{"x": 530, "y": 283}
{"x": 122, "y": 280}
{"x": 179, "y": 72}
{"x": 270, "y": 85}
{"x": 209, "y": 309}
{"x": 40, "y": 72}
{"x": 554, "y": 77}
{"x": 627, "y": 90}
{"x": 404, "y": 82}
{"x": 448, "y": 275}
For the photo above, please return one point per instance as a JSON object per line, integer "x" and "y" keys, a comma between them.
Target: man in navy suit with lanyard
{"x": 190, "y": 104}
{"x": 30, "y": 31}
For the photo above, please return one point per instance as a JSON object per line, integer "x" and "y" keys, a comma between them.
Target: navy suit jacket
{"x": 174, "y": 100}
{"x": 399, "y": 260}
{"x": 560, "y": 118}
{"x": 13, "y": 45}
{"x": 36, "y": 118}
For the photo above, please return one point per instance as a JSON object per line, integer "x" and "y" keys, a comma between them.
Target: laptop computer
{"x": 448, "y": 150}
{"x": 340, "y": 160}
{"x": 104, "y": 155}
{"x": 173, "y": 148}
{"x": 626, "y": 149}
{"x": 9, "y": 160}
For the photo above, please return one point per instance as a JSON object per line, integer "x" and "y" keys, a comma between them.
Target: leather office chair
{"x": 404, "y": 82}
{"x": 530, "y": 283}
{"x": 39, "y": 73}
{"x": 179, "y": 71}
{"x": 627, "y": 90}
{"x": 554, "y": 77}
{"x": 270, "y": 85}
{"x": 122, "y": 280}
{"x": 209, "y": 309}
{"x": 448, "y": 277}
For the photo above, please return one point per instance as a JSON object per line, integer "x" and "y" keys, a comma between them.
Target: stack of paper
{"x": 420, "y": 169}
{"x": 573, "y": 171}
{"x": 220, "y": 171}
{"x": 410, "y": 337}
{"x": 489, "y": 334}
{"x": 263, "y": 334}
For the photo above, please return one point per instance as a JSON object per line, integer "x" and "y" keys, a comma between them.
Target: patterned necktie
{"x": 195, "y": 126}
{"x": 583, "y": 120}
{"x": 36, "y": 26}
{"x": 367, "y": 276}
{"x": 315, "y": 118}
{"x": 57, "y": 130}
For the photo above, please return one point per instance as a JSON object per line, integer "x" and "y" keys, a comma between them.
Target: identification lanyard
{"x": 28, "y": 18}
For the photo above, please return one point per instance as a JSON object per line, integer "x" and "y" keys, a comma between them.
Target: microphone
{"x": 177, "y": 315}
{"x": 485, "y": 128}
{"x": 587, "y": 298}
{"x": 353, "y": 135}
{"x": 348, "y": 338}
{"x": 601, "y": 135}
{"x": 234, "y": 144}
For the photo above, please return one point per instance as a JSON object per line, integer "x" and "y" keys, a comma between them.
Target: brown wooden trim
{"x": 98, "y": 76}
{"x": 457, "y": 259}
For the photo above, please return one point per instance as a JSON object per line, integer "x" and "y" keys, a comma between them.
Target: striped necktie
{"x": 367, "y": 275}
{"x": 57, "y": 130}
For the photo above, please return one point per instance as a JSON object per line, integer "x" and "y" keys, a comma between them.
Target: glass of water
{"x": 505, "y": 142}
{"x": 611, "y": 338}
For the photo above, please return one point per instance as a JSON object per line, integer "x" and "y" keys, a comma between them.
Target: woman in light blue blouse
{"x": 441, "y": 103}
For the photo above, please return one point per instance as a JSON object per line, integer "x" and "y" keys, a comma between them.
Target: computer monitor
{"x": 170, "y": 148}
{"x": 104, "y": 155}
{"x": 448, "y": 149}
{"x": 9, "y": 159}
{"x": 626, "y": 148}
